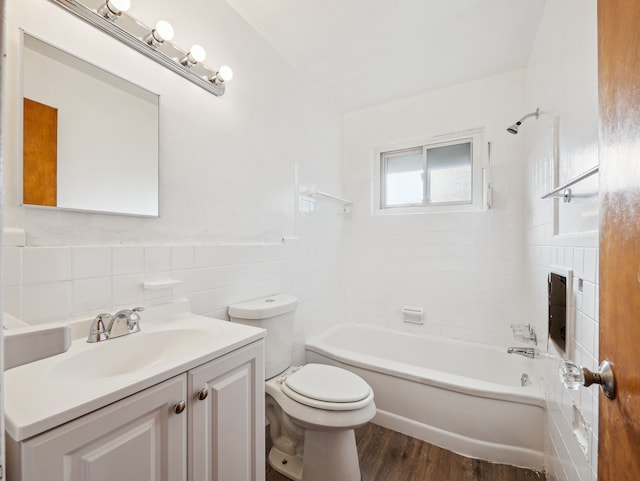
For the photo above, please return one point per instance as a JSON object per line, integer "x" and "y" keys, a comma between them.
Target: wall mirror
{"x": 89, "y": 138}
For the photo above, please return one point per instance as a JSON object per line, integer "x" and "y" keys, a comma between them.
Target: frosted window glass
{"x": 449, "y": 173}
{"x": 404, "y": 179}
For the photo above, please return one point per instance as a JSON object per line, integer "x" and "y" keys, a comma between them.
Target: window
{"x": 430, "y": 177}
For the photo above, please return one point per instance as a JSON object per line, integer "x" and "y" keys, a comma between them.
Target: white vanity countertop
{"x": 47, "y": 393}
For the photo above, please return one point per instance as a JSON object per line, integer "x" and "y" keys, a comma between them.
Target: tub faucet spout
{"x": 523, "y": 351}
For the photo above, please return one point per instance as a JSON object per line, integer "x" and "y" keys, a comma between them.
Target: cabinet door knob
{"x": 202, "y": 395}
{"x": 179, "y": 407}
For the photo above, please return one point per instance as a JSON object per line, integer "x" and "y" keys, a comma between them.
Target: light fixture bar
{"x": 115, "y": 30}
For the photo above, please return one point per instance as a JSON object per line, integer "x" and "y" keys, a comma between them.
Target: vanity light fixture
{"x": 111, "y": 17}
{"x": 113, "y": 9}
{"x": 162, "y": 33}
{"x": 223, "y": 75}
{"x": 196, "y": 55}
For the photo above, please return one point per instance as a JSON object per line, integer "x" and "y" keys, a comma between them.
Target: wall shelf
{"x": 161, "y": 284}
{"x": 346, "y": 204}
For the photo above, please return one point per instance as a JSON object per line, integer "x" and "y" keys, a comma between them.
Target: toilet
{"x": 312, "y": 409}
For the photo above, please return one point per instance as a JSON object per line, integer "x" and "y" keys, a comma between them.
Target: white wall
{"x": 463, "y": 268}
{"x": 227, "y": 181}
{"x": 562, "y": 81}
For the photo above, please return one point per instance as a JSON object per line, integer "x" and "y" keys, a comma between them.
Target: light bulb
{"x": 225, "y": 73}
{"x": 119, "y": 6}
{"x": 197, "y": 54}
{"x": 163, "y": 31}
{"x": 221, "y": 76}
{"x": 112, "y": 9}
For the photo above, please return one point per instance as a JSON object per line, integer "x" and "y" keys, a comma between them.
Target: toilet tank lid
{"x": 264, "y": 307}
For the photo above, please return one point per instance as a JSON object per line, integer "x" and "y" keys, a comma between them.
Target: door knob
{"x": 573, "y": 377}
{"x": 179, "y": 407}
{"x": 202, "y": 395}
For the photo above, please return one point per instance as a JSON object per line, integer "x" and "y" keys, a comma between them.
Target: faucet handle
{"x": 524, "y": 333}
{"x": 521, "y": 327}
{"x": 134, "y": 320}
{"x": 134, "y": 313}
{"x": 98, "y": 331}
{"x": 526, "y": 337}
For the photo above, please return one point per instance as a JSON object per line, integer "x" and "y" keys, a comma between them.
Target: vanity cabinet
{"x": 139, "y": 438}
{"x": 203, "y": 425}
{"x": 226, "y": 419}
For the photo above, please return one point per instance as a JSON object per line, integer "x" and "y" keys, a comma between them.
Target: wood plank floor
{"x": 386, "y": 455}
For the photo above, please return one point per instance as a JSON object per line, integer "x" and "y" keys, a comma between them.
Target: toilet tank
{"x": 276, "y": 314}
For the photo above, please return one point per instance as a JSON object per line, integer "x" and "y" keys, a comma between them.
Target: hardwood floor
{"x": 386, "y": 455}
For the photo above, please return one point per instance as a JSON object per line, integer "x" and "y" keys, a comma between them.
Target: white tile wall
{"x": 576, "y": 465}
{"x": 553, "y": 69}
{"x": 45, "y": 302}
{"x": 157, "y": 259}
{"x": 90, "y": 295}
{"x": 128, "y": 260}
{"x": 46, "y": 264}
{"x": 81, "y": 282}
{"x": 182, "y": 257}
{"x": 464, "y": 268}
{"x": 90, "y": 262}
{"x": 127, "y": 290}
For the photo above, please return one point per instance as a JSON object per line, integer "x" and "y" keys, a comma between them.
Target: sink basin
{"x": 128, "y": 354}
{"x": 49, "y": 392}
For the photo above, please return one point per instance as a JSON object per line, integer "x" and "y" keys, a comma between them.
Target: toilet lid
{"x": 327, "y": 384}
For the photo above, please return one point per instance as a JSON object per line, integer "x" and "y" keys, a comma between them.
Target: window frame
{"x": 379, "y": 167}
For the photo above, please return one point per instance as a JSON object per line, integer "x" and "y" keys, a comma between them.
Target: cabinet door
{"x": 227, "y": 428}
{"x": 140, "y": 438}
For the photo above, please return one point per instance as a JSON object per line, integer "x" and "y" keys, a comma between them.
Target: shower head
{"x": 513, "y": 129}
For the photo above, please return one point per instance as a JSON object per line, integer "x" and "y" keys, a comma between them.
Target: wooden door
{"x": 39, "y": 154}
{"x": 619, "y": 92}
{"x": 226, "y": 417}
{"x": 139, "y": 438}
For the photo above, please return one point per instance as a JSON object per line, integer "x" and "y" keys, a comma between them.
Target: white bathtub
{"x": 462, "y": 396}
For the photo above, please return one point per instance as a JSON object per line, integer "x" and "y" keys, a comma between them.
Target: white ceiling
{"x": 366, "y": 52}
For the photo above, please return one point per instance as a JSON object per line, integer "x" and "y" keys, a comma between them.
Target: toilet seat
{"x": 327, "y": 387}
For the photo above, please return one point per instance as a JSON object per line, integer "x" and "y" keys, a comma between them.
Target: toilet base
{"x": 286, "y": 464}
{"x": 328, "y": 455}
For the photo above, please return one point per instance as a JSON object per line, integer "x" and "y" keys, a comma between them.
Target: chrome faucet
{"x": 98, "y": 331}
{"x": 523, "y": 351}
{"x": 126, "y": 321}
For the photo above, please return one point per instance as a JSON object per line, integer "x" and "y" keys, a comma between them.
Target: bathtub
{"x": 461, "y": 396}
